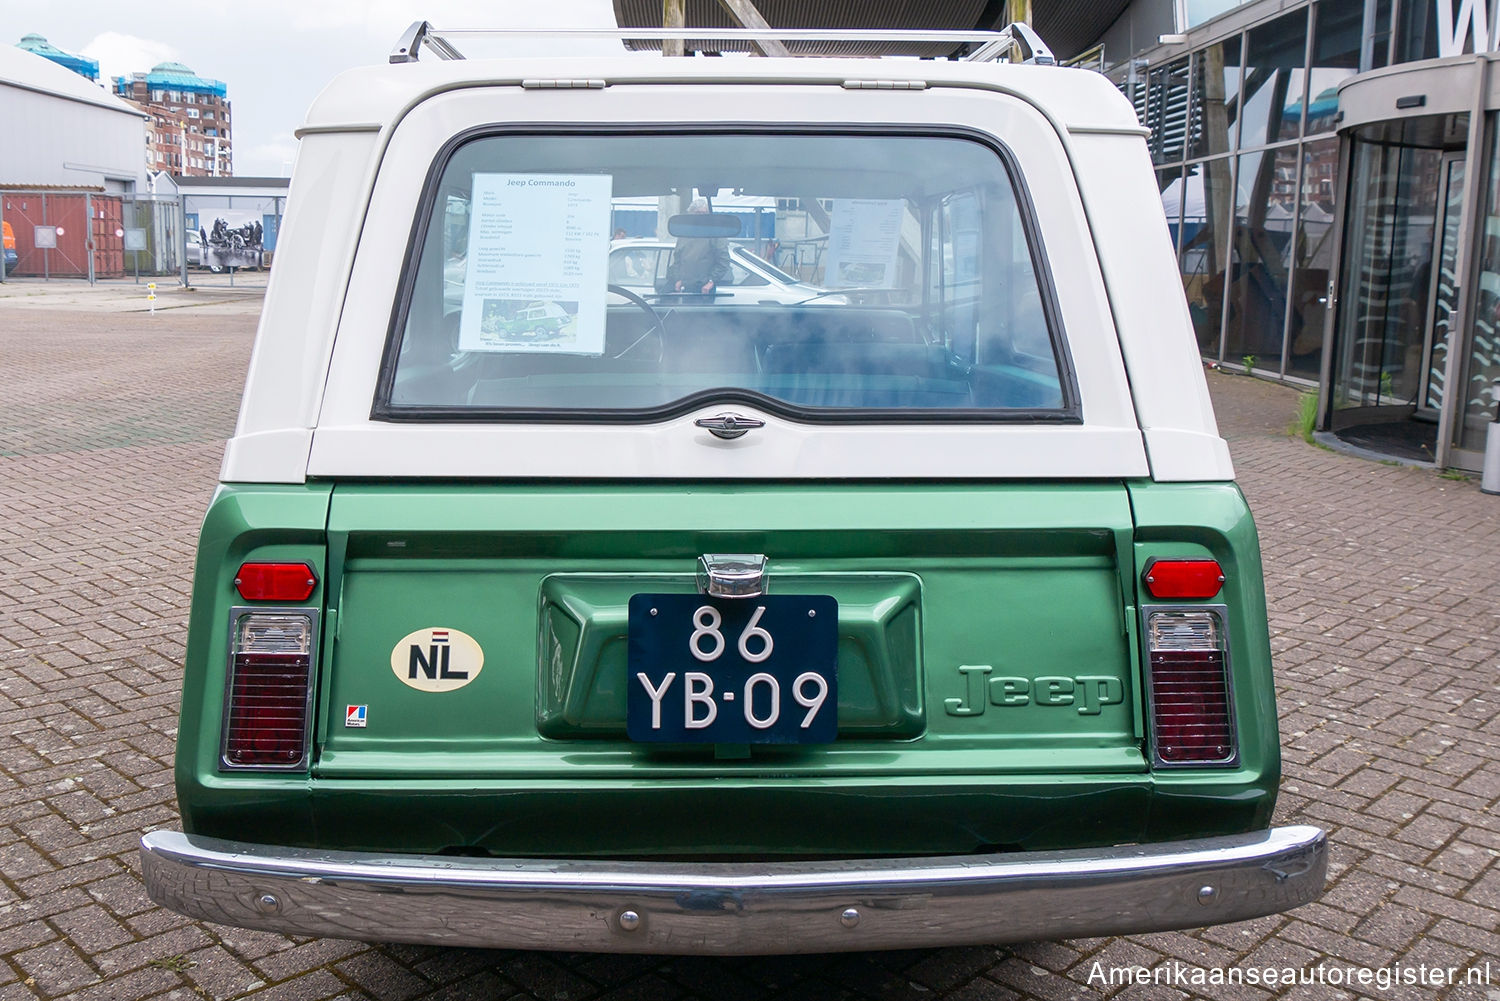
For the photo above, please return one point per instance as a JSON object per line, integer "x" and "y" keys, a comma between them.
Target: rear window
{"x": 624, "y": 276}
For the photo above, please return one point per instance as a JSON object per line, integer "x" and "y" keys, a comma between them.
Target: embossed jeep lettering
{"x": 1089, "y": 692}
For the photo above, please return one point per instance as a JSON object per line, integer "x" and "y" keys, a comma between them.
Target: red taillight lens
{"x": 275, "y": 581}
{"x": 265, "y": 724}
{"x": 1184, "y": 580}
{"x": 1190, "y": 711}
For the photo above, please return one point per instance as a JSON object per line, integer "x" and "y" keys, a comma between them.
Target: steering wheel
{"x": 654, "y": 324}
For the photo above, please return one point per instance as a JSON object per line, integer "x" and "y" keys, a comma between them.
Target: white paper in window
{"x": 864, "y": 241}
{"x": 535, "y": 272}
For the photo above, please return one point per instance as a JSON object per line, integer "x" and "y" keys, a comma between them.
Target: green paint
{"x": 990, "y": 678}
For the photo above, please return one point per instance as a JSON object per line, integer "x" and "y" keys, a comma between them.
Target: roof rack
{"x": 976, "y": 46}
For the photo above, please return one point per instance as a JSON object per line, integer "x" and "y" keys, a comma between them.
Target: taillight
{"x": 1184, "y": 580}
{"x": 1191, "y": 717}
{"x": 269, "y": 689}
{"x": 275, "y": 581}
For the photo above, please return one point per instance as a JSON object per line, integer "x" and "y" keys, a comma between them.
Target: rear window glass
{"x": 633, "y": 276}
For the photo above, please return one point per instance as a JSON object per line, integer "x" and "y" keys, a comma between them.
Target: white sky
{"x": 274, "y": 55}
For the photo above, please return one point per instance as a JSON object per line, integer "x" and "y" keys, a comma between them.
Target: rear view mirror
{"x": 704, "y": 225}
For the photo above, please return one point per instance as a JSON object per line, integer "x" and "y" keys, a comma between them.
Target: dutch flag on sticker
{"x": 355, "y": 715}
{"x": 440, "y": 636}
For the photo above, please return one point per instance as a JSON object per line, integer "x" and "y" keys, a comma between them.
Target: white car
{"x": 641, "y": 266}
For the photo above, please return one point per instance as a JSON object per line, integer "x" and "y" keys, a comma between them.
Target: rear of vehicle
{"x": 928, "y": 616}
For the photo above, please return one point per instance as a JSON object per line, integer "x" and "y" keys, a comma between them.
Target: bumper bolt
{"x": 1207, "y": 895}
{"x": 849, "y": 918}
{"x": 267, "y": 903}
{"x": 629, "y": 920}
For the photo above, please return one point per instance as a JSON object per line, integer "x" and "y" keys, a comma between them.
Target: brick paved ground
{"x": 1385, "y": 621}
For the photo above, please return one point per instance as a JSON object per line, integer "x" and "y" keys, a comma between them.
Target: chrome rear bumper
{"x": 741, "y": 907}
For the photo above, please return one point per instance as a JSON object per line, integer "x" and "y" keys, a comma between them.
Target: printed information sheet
{"x": 863, "y": 243}
{"x": 535, "y": 273}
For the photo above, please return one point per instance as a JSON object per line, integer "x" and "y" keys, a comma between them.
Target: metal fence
{"x": 89, "y": 234}
{"x": 93, "y": 235}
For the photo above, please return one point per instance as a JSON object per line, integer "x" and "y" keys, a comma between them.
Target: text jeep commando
{"x": 928, "y": 616}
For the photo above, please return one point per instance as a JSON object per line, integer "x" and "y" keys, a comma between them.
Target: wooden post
{"x": 748, "y": 16}
{"x": 672, "y": 16}
{"x": 1020, "y": 10}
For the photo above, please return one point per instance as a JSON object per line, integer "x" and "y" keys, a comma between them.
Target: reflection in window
{"x": 1169, "y": 112}
{"x": 1274, "y": 78}
{"x": 1481, "y": 375}
{"x": 1416, "y": 36}
{"x": 1266, "y": 198}
{"x": 1336, "y": 41}
{"x": 1216, "y": 86}
{"x": 1381, "y": 35}
{"x": 1312, "y": 256}
{"x": 1386, "y": 281}
{"x": 1170, "y": 184}
{"x": 1205, "y": 247}
{"x": 1199, "y": 11}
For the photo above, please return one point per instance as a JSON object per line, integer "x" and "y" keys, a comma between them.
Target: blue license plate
{"x": 733, "y": 671}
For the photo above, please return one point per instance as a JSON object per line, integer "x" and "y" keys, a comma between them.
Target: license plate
{"x": 733, "y": 671}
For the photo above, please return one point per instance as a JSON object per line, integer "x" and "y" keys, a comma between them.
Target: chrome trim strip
{"x": 319, "y": 130}
{"x": 744, "y": 908}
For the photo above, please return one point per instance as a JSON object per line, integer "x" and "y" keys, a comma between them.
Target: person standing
{"x": 698, "y": 264}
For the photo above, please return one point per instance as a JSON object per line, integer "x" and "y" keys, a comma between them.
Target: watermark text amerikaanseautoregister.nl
{"x": 1382, "y": 978}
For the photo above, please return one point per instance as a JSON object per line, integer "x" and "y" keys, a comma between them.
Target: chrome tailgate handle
{"x": 732, "y": 575}
{"x": 729, "y": 427}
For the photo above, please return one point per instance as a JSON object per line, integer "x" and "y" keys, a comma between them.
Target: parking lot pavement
{"x": 1384, "y": 585}
{"x": 124, "y": 295}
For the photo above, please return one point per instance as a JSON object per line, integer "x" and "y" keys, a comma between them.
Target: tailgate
{"x": 982, "y": 629}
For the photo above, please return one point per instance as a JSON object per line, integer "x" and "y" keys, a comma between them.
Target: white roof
{"x": 19, "y": 68}
{"x": 374, "y": 96}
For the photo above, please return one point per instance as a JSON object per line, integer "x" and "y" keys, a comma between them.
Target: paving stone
{"x": 381, "y": 977}
{"x": 56, "y": 968}
{"x": 315, "y": 985}
{"x": 1380, "y": 583}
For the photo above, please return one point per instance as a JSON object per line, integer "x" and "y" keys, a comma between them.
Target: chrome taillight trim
{"x": 314, "y": 641}
{"x": 1221, "y": 613}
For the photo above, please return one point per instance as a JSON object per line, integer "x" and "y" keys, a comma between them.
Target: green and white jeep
{"x": 929, "y": 615}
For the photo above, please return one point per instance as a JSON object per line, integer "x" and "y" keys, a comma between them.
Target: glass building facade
{"x": 1329, "y": 183}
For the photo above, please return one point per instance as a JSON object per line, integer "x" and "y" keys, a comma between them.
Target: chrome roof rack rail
{"x": 1017, "y": 35}
{"x": 987, "y": 45}
{"x": 421, "y": 33}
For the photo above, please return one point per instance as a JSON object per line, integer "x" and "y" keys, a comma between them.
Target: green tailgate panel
{"x": 989, "y": 676}
{"x": 983, "y": 630}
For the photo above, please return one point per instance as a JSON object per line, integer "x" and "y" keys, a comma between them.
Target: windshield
{"x": 821, "y": 277}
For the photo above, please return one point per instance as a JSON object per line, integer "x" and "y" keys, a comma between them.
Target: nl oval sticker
{"x": 437, "y": 660}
